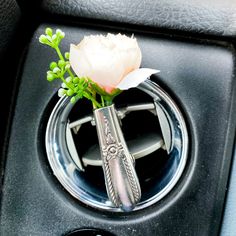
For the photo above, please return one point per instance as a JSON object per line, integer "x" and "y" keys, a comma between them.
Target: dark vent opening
{"x": 151, "y": 169}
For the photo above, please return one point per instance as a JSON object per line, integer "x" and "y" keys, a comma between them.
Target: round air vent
{"x": 156, "y": 136}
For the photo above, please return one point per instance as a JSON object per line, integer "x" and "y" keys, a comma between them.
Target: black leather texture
{"x": 9, "y": 17}
{"x": 198, "y": 75}
{"x": 9, "y": 44}
{"x": 198, "y": 16}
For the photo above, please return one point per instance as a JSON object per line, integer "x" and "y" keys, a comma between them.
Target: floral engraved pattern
{"x": 112, "y": 150}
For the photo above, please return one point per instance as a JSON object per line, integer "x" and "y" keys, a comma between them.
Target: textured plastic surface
{"x": 215, "y": 17}
{"x": 229, "y": 221}
{"x": 199, "y": 76}
{"x": 9, "y": 17}
{"x": 9, "y": 22}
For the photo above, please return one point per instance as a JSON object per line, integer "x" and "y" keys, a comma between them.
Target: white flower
{"x": 111, "y": 61}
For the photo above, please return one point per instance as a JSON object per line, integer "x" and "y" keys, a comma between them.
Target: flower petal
{"x": 136, "y": 77}
{"x": 106, "y": 60}
{"x": 79, "y": 62}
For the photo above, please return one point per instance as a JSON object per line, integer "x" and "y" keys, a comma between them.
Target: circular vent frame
{"x": 163, "y": 153}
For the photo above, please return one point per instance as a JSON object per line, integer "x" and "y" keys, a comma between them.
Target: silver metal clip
{"x": 121, "y": 180}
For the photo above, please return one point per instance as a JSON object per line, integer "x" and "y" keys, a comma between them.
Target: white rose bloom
{"x": 111, "y": 61}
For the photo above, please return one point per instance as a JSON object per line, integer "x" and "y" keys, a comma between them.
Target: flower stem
{"x": 94, "y": 101}
{"x": 67, "y": 84}
{"x": 59, "y": 53}
{"x": 70, "y": 73}
{"x": 63, "y": 59}
{"x": 108, "y": 102}
{"x": 103, "y": 103}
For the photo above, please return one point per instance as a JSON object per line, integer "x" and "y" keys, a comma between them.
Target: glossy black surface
{"x": 200, "y": 77}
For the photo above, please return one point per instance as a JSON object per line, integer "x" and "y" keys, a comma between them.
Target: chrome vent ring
{"x": 73, "y": 170}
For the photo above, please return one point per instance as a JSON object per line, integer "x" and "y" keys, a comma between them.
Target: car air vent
{"x": 154, "y": 130}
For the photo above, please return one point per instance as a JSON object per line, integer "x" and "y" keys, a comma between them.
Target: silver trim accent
{"x": 120, "y": 112}
{"x": 166, "y": 126}
{"x": 121, "y": 180}
{"x": 71, "y": 148}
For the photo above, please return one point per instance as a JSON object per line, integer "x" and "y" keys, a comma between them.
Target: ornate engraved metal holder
{"x": 160, "y": 153}
{"x": 118, "y": 165}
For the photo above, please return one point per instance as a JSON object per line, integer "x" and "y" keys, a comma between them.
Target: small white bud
{"x": 54, "y": 37}
{"x": 56, "y": 70}
{"x": 68, "y": 79}
{"x": 63, "y": 85}
{"x": 43, "y": 39}
{"x": 67, "y": 66}
{"x": 61, "y": 92}
{"x": 60, "y": 33}
{"x": 49, "y": 38}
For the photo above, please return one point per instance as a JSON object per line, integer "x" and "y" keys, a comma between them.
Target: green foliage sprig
{"x": 72, "y": 86}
